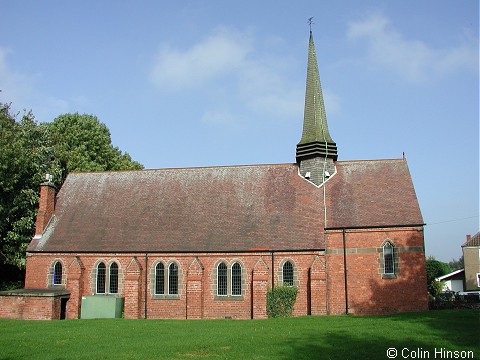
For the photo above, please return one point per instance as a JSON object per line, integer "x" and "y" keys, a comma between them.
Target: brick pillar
{"x": 195, "y": 290}
{"x": 75, "y": 286}
{"x": 335, "y": 273}
{"x": 259, "y": 290}
{"x": 46, "y": 206}
{"x": 132, "y": 290}
{"x": 318, "y": 288}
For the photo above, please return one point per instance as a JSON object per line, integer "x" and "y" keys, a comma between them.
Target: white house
{"x": 453, "y": 281}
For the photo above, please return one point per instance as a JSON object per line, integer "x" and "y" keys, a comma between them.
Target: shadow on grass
{"x": 458, "y": 333}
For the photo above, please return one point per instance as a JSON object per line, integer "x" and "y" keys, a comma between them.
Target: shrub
{"x": 11, "y": 285}
{"x": 280, "y": 301}
{"x": 435, "y": 288}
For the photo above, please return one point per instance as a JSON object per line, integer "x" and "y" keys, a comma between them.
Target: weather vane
{"x": 310, "y": 22}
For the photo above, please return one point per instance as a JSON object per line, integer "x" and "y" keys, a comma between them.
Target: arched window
{"x": 288, "y": 274}
{"x": 222, "y": 279}
{"x": 57, "y": 273}
{"x": 173, "y": 279}
{"x": 236, "y": 279}
{"x": 159, "y": 279}
{"x": 388, "y": 263}
{"x": 113, "y": 283}
{"x": 101, "y": 278}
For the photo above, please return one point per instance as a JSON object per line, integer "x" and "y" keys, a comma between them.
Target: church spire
{"x": 316, "y": 151}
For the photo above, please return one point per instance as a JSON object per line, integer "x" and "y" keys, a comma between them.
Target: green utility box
{"x": 95, "y": 307}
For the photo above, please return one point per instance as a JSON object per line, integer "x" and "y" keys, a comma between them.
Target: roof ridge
{"x": 371, "y": 160}
{"x": 182, "y": 168}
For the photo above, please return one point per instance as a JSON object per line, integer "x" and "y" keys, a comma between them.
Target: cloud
{"x": 220, "y": 117}
{"x": 20, "y": 90}
{"x": 220, "y": 53}
{"x": 266, "y": 88}
{"x": 412, "y": 59}
{"x": 16, "y": 87}
{"x": 242, "y": 78}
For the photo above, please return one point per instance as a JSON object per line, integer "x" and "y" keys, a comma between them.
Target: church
{"x": 209, "y": 242}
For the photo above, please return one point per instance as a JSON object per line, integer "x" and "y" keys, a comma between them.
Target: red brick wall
{"x": 29, "y": 307}
{"x": 197, "y": 283}
{"x": 368, "y": 292}
{"x": 46, "y": 206}
{"x": 320, "y": 279}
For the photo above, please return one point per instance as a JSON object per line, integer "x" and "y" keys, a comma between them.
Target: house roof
{"x": 456, "y": 273}
{"x": 473, "y": 241}
{"x": 224, "y": 209}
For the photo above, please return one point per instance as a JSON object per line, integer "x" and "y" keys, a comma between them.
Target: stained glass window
{"x": 222, "y": 279}
{"x": 113, "y": 283}
{"x": 159, "y": 279}
{"x": 388, "y": 264}
{"x": 288, "y": 273}
{"x": 57, "y": 273}
{"x": 101, "y": 278}
{"x": 236, "y": 279}
{"x": 173, "y": 279}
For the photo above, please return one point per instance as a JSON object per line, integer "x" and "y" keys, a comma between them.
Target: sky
{"x": 212, "y": 83}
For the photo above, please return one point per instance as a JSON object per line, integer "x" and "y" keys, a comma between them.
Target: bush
{"x": 445, "y": 300}
{"x": 435, "y": 287}
{"x": 11, "y": 285}
{"x": 452, "y": 300}
{"x": 472, "y": 298}
{"x": 280, "y": 301}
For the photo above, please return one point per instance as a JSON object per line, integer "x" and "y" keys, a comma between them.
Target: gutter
{"x": 373, "y": 227}
{"x": 183, "y": 252}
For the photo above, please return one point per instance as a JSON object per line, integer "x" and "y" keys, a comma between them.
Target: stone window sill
{"x": 166, "y": 297}
{"x": 229, "y": 298}
{"x": 389, "y": 276}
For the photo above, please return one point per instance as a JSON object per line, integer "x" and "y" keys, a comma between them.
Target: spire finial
{"x": 310, "y": 22}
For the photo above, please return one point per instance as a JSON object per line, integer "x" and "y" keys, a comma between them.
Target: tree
{"x": 456, "y": 264}
{"x": 435, "y": 269}
{"x": 28, "y": 151}
{"x": 83, "y": 143}
{"x": 25, "y": 157}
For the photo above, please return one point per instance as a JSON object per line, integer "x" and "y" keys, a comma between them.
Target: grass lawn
{"x": 334, "y": 337}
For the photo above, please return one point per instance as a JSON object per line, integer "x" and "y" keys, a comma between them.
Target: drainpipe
{"x": 145, "y": 286}
{"x": 327, "y": 306}
{"x": 273, "y": 270}
{"x": 345, "y": 269}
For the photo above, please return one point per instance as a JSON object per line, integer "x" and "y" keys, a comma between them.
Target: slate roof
{"x": 473, "y": 241}
{"x": 372, "y": 193}
{"x": 224, "y": 209}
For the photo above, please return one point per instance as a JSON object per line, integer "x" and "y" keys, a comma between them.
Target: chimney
{"x": 469, "y": 237}
{"x": 46, "y": 206}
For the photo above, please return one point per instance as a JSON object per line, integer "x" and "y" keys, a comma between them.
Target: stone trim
{"x": 396, "y": 261}
{"x": 93, "y": 277}
{"x": 214, "y": 280}
{"x": 370, "y": 250}
{"x": 51, "y": 270}
{"x": 296, "y": 281}
{"x": 166, "y": 276}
